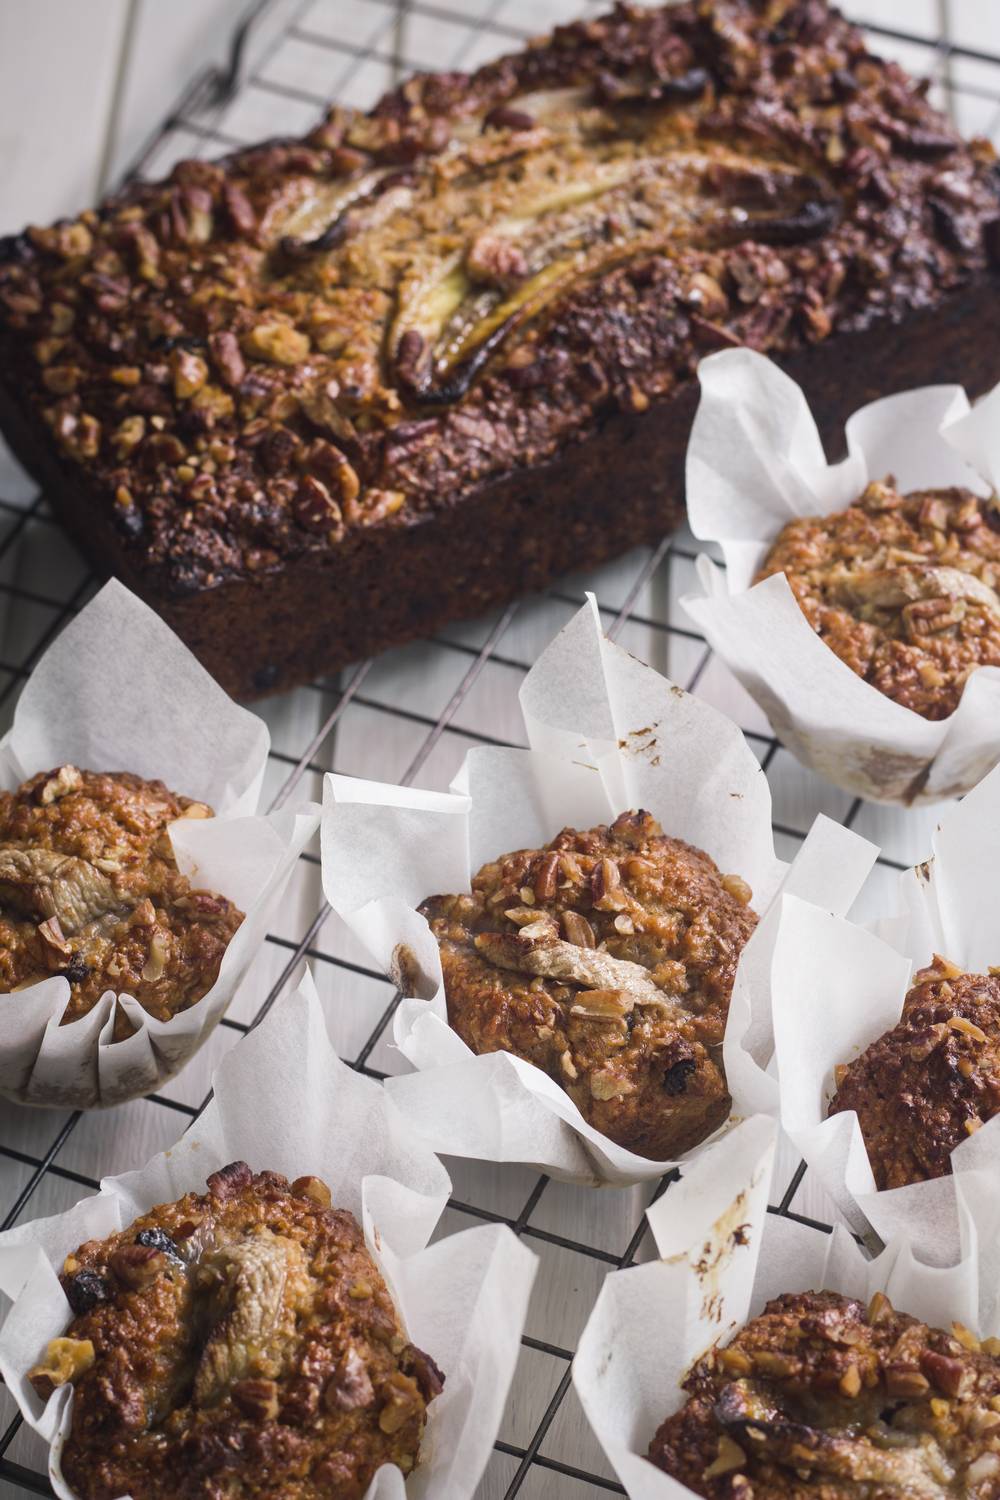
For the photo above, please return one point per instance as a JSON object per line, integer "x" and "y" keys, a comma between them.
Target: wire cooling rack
{"x": 411, "y": 715}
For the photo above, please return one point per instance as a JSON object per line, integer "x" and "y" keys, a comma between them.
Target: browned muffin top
{"x": 90, "y": 889}
{"x": 607, "y": 959}
{"x": 902, "y": 588}
{"x": 256, "y": 357}
{"x": 929, "y": 1083}
{"x": 820, "y": 1396}
{"x": 238, "y": 1343}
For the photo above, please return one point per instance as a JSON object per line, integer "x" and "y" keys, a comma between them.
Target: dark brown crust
{"x": 90, "y": 889}
{"x": 822, "y": 1397}
{"x": 614, "y": 359}
{"x": 243, "y": 1343}
{"x": 923, "y": 1087}
{"x": 638, "y": 1049}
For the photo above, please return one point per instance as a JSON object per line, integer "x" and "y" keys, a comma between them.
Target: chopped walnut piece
{"x": 66, "y": 1359}
{"x": 67, "y": 779}
{"x": 351, "y": 1386}
{"x": 189, "y": 371}
{"x": 314, "y": 1188}
{"x": 403, "y": 1402}
{"x": 277, "y": 343}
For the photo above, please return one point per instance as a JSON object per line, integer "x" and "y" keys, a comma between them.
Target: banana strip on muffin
{"x": 902, "y": 587}
{"x": 607, "y": 959}
{"x": 239, "y": 1343}
{"x": 90, "y": 889}
{"x": 931, "y": 1081}
{"x": 823, "y": 1396}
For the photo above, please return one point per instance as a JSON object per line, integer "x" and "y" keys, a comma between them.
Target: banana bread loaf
{"x": 329, "y": 393}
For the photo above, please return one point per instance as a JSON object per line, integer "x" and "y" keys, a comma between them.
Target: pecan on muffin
{"x": 822, "y": 1396}
{"x": 607, "y": 959}
{"x": 90, "y": 889}
{"x": 902, "y": 588}
{"x": 932, "y": 1080}
{"x": 238, "y": 1343}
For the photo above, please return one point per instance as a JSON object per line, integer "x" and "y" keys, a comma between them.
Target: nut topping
{"x": 277, "y": 343}
{"x": 138, "y": 1266}
{"x": 605, "y": 886}
{"x": 189, "y": 371}
{"x": 66, "y": 1359}
{"x": 351, "y": 1386}
{"x": 403, "y": 1402}
{"x": 257, "y": 1399}
{"x": 229, "y": 1181}
{"x": 67, "y": 779}
{"x": 314, "y": 507}
{"x": 314, "y": 1188}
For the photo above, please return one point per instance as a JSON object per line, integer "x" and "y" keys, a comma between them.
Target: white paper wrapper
{"x": 651, "y": 1323}
{"x": 755, "y": 461}
{"x": 117, "y": 691}
{"x": 285, "y": 1102}
{"x": 607, "y": 734}
{"x": 836, "y": 988}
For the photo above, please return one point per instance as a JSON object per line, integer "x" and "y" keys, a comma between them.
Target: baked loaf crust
{"x": 821, "y": 1396}
{"x": 926, "y": 1085}
{"x": 289, "y": 396}
{"x": 902, "y": 588}
{"x": 607, "y": 959}
{"x": 239, "y": 1342}
{"x": 90, "y": 889}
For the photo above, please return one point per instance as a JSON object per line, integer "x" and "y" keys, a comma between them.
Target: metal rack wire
{"x": 410, "y": 716}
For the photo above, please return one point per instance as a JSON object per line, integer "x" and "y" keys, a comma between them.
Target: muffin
{"x": 902, "y": 588}
{"x": 930, "y": 1082}
{"x": 90, "y": 889}
{"x": 607, "y": 959}
{"x": 822, "y": 1396}
{"x": 237, "y": 1343}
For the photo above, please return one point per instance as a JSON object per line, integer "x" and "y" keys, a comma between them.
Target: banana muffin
{"x": 237, "y": 1343}
{"x": 902, "y": 587}
{"x": 932, "y": 1080}
{"x": 823, "y": 1396}
{"x": 90, "y": 889}
{"x": 607, "y": 959}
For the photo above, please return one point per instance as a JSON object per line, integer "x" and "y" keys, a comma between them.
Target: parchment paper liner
{"x": 284, "y": 1101}
{"x": 837, "y": 987}
{"x": 651, "y": 1322}
{"x": 117, "y": 691}
{"x": 607, "y": 734}
{"x": 754, "y": 462}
